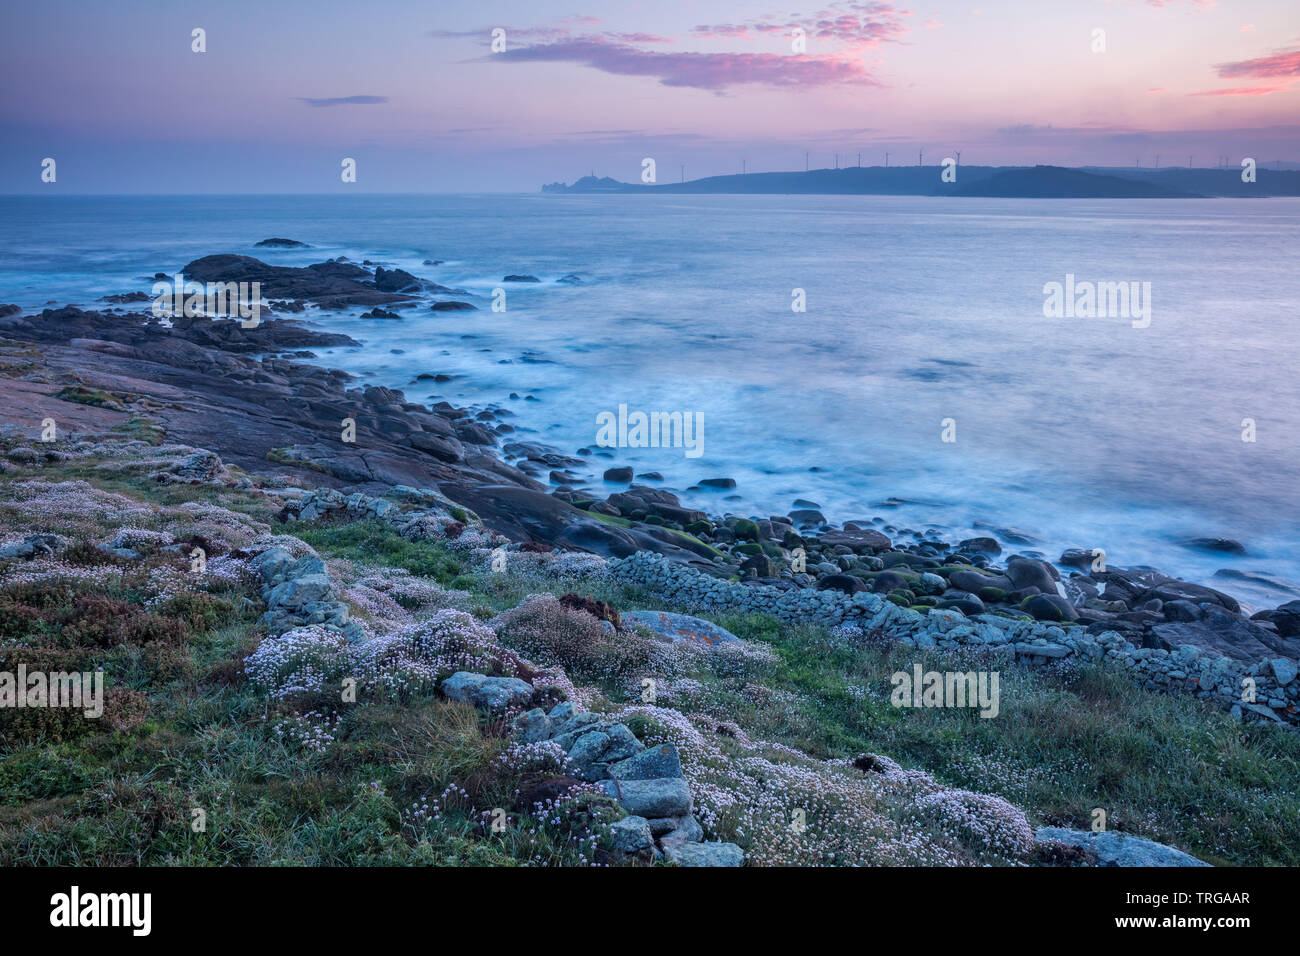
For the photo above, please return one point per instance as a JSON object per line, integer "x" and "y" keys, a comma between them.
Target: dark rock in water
{"x": 1285, "y": 618}
{"x": 718, "y": 483}
{"x": 570, "y": 279}
{"x": 7, "y": 310}
{"x": 126, "y": 297}
{"x": 619, "y": 475}
{"x": 1080, "y": 558}
{"x": 453, "y": 307}
{"x": 521, "y": 279}
{"x": 1028, "y": 573}
{"x": 283, "y": 244}
{"x": 1229, "y": 635}
{"x": 332, "y": 284}
{"x": 1050, "y": 607}
{"x": 378, "y": 313}
{"x": 395, "y": 280}
{"x": 861, "y": 540}
{"x": 981, "y": 545}
{"x": 841, "y": 582}
{"x": 433, "y": 262}
{"x": 808, "y": 516}
{"x": 650, "y": 476}
{"x": 1222, "y": 545}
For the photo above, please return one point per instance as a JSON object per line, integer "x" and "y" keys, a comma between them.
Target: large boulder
{"x": 661, "y": 797}
{"x": 704, "y": 854}
{"x": 680, "y": 628}
{"x": 1118, "y": 849}
{"x": 487, "y": 693}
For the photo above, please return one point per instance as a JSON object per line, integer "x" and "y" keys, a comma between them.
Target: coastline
{"x": 285, "y": 416}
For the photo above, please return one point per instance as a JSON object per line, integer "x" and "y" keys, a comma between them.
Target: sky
{"x": 416, "y": 94}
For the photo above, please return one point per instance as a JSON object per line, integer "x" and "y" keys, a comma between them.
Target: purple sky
{"x": 414, "y": 92}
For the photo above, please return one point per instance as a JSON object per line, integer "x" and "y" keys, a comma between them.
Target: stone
{"x": 632, "y": 834}
{"x": 680, "y": 628}
{"x": 1118, "y": 849}
{"x": 661, "y": 797}
{"x": 705, "y": 854}
{"x": 487, "y": 693}
{"x": 532, "y": 726}
{"x": 688, "y": 830}
{"x": 1284, "y": 671}
{"x": 661, "y": 760}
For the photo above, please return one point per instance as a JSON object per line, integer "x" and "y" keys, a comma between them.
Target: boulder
{"x": 487, "y": 693}
{"x": 680, "y": 628}
{"x": 705, "y": 854}
{"x": 1118, "y": 849}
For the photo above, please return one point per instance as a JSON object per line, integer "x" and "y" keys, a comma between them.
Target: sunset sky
{"x": 413, "y": 91}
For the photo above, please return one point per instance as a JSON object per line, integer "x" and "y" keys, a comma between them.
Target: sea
{"x": 887, "y": 359}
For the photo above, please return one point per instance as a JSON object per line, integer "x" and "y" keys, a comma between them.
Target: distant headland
{"x": 1029, "y": 182}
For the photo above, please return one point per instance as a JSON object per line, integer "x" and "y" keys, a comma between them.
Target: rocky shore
{"x": 250, "y": 396}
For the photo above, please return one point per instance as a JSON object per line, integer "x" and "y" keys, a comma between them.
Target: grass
{"x": 184, "y": 731}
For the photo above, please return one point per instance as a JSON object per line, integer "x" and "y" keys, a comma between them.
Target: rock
{"x": 846, "y": 583}
{"x": 619, "y": 475}
{"x": 1028, "y": 573}
{"x": 570, "y": 279}
{"x": 32, "y": 545}
{"x": 283, "y": 244}
{"x": 982, "y": 545}
{"x": 1221, "y": 545}
{"x": 651, "y": 763}
{"x": 521, "y": 279}
{"x": 632, "y": 834}
{"x": 1229, "y": 635}
{"x": 395, "y": 280}
{"x": 1050, "y": 607}
{"x": 860, "y": 539}
{"x": 680, "y": 628}
{"x": 687, "y": 830}
{"x": 487, "y": 693}
{"x": 659, "y": 797}
{"x": 1284, "y": 671}
{"x": 1181, "y": 611}
{"x": 705, "y": 854}
{"x": 300, "y": 591}
{"x": 1118, "y": 849}
{"x": 450, "y": 306}
{"x": 1080, "y": 558}
{"x": 718, "y": 483}
{"x": 532, "y": 726}
{"x": 761, "y": 565}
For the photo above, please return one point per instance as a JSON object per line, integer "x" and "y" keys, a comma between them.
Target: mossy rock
{"x": 992, "y": 595}
{"x": 745, "y": 529}
{"x": 92, "y": 396}
{"x": 748, "y": 548}
{"x": 654, "y": 519}
{"x": 699, "y": 527}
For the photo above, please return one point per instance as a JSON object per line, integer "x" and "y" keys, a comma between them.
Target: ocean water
{"x": 1076, "y": 432}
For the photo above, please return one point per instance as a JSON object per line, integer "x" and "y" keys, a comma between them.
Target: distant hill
{"x": 1030, "y": 182}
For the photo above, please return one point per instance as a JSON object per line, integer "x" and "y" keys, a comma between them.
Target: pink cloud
{"x": 710, "y": 71}
{"x": 1284, "y": 63}
{"x": 1242, "y": 91}
{"x": 857, "y": 23}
